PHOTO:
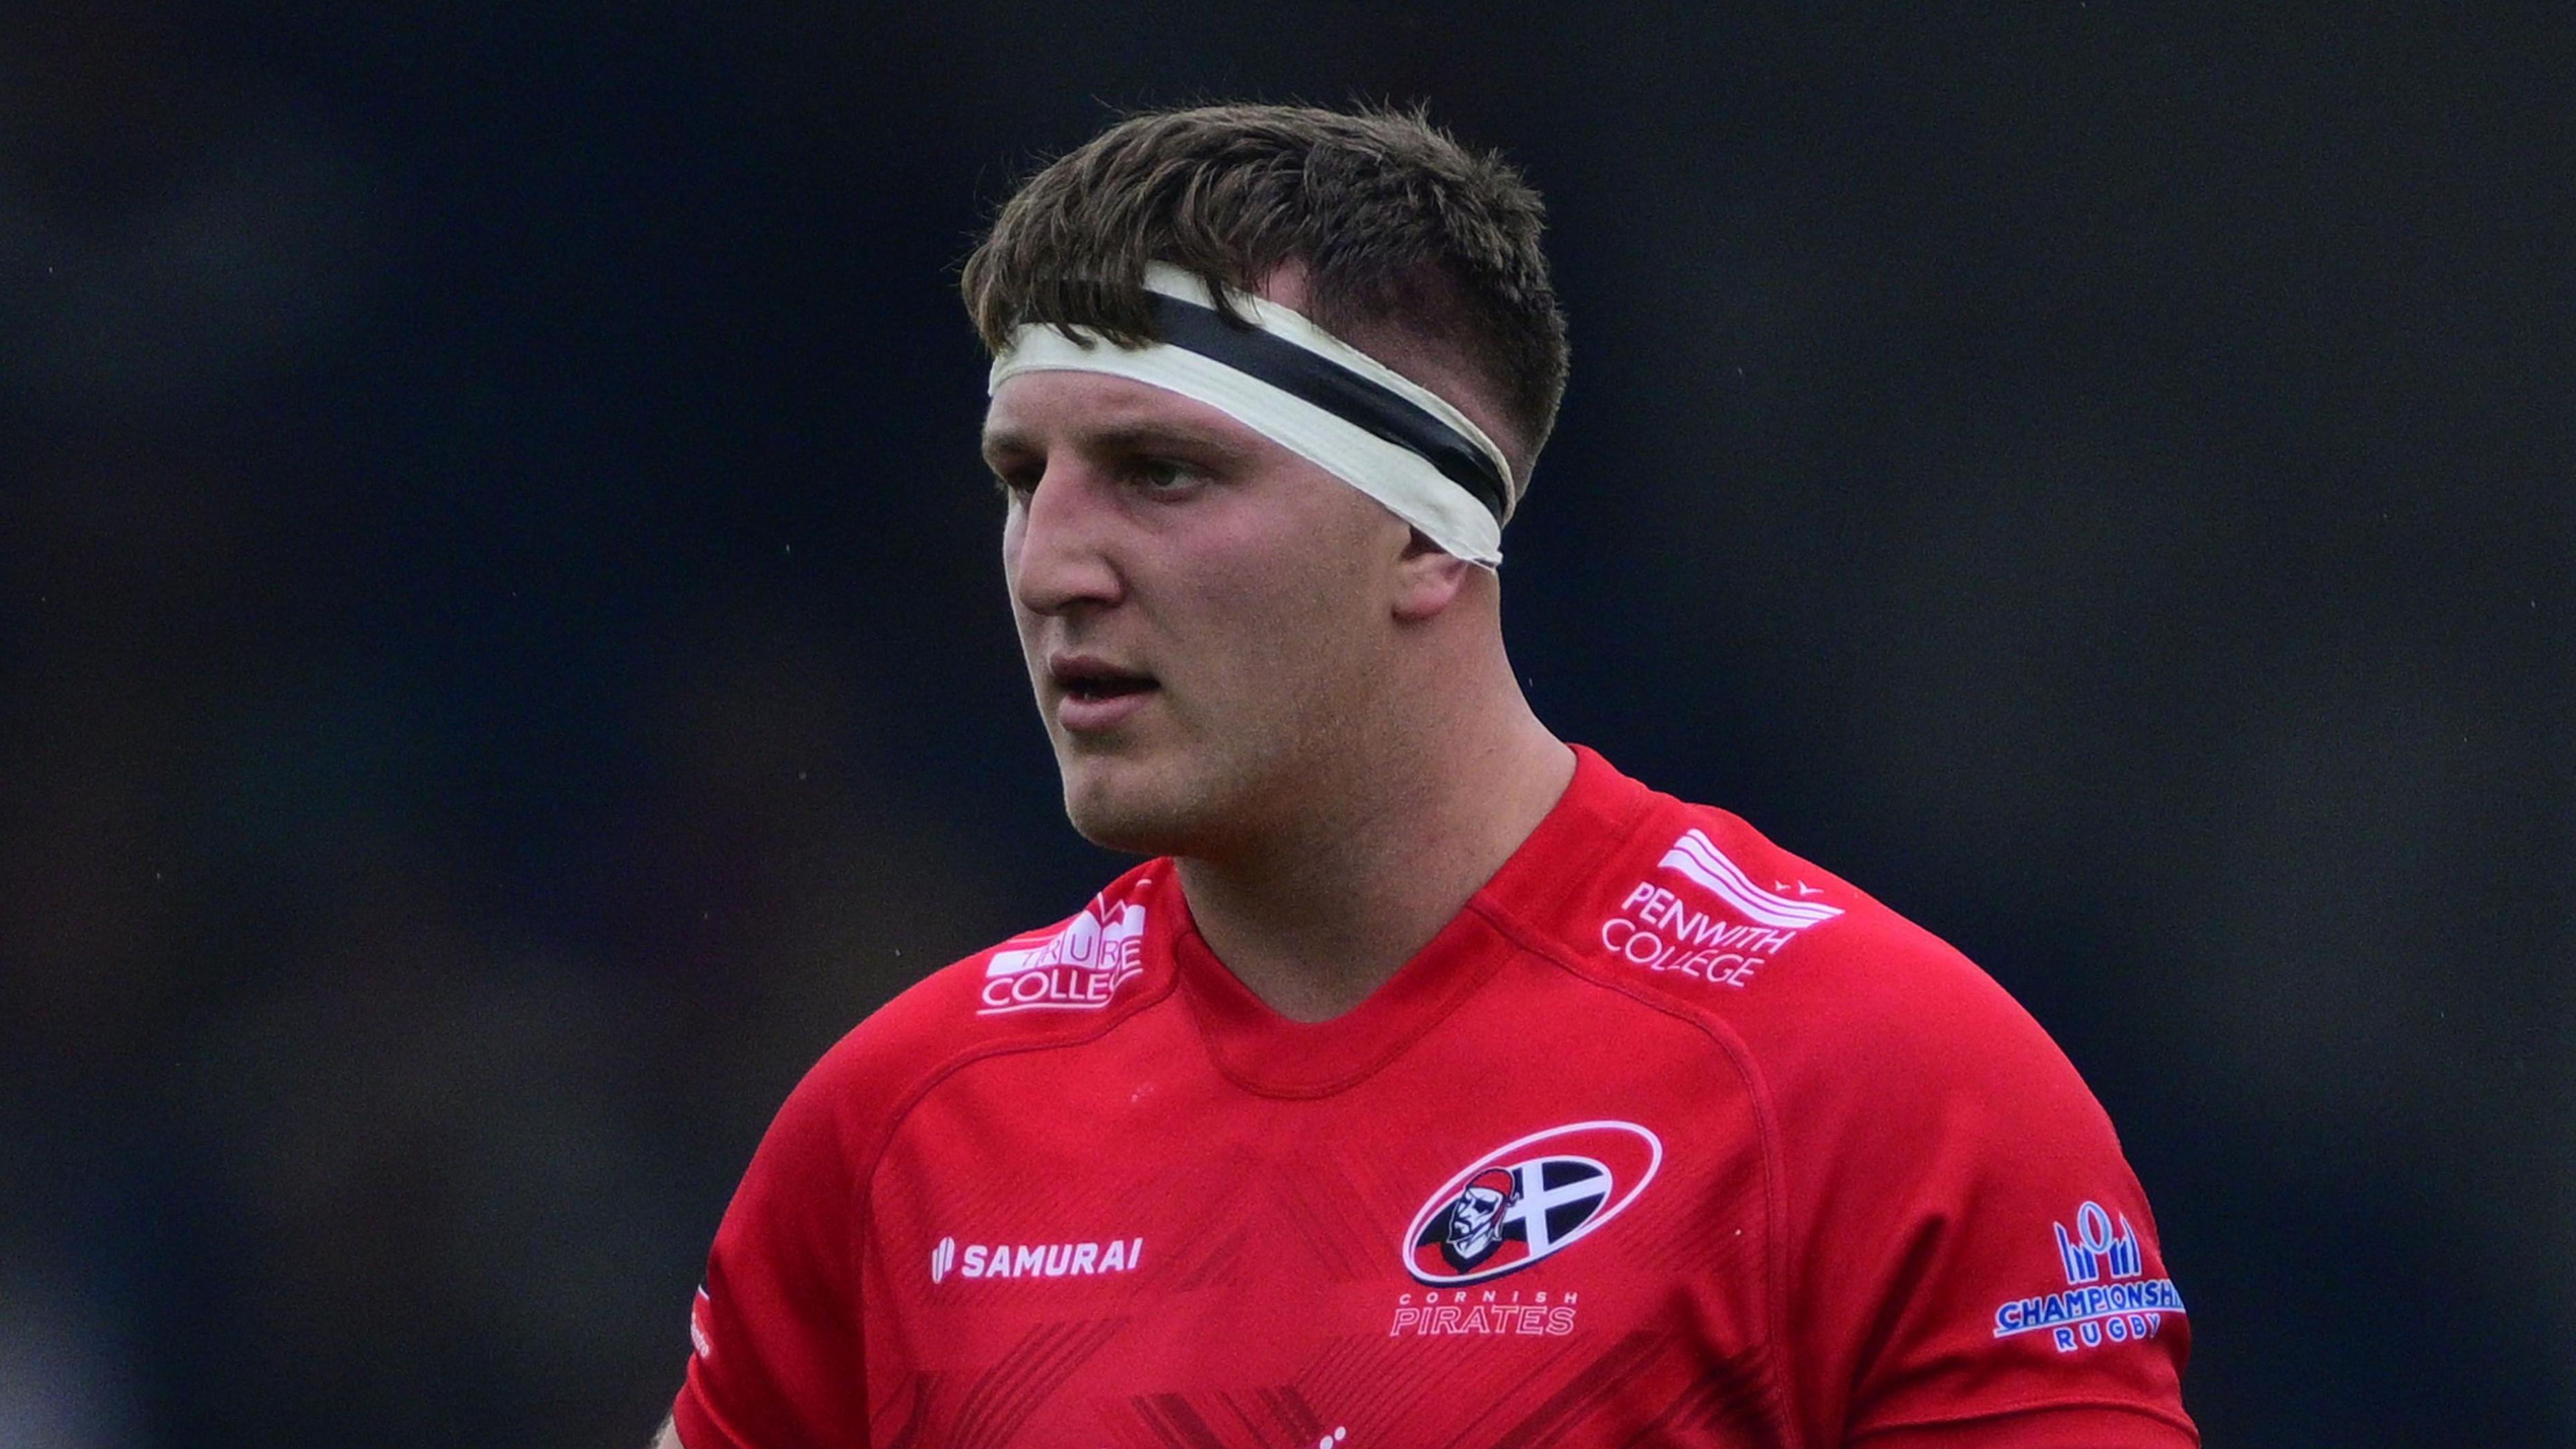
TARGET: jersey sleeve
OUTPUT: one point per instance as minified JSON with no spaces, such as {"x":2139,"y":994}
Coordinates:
{"x":1974,"y":1261}
{"x":775,"y":1328}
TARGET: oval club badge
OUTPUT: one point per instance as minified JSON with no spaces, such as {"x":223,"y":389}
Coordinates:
{"x":1529,"y":1199}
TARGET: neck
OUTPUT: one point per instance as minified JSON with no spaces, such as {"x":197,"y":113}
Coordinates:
{"x":1314,"y":924}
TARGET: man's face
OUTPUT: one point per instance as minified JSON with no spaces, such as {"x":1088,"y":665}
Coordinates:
{"x":1472,"y":1222}
{"x":1203,"y":612}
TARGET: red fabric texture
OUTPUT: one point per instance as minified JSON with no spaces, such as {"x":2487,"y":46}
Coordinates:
{"x":1668,"y":1137}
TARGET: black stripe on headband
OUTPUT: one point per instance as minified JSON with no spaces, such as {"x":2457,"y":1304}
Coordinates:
{"x":1336,"y":389}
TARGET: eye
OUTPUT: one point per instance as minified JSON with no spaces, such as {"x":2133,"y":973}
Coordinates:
{"x":1165,"y":475}
{"x":1015,"y":483}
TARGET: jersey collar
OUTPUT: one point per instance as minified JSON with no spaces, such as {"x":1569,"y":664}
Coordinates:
{"x":1271,"y":1054}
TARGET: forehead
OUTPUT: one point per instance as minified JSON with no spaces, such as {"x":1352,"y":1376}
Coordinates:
{"x":1042,"y":411}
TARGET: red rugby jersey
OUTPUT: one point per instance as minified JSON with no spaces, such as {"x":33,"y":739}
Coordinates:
{"x":1668,"y":1138}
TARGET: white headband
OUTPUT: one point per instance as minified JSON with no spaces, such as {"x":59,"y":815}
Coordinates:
{"x":1310,"y":392}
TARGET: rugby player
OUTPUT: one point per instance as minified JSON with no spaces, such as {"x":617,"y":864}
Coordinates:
{"x":1431,"y":1082}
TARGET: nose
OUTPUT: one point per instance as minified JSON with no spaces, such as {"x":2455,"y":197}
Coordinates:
{"x":1058,"y":547}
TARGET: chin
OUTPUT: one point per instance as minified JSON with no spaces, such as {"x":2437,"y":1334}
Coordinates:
{"x":1125,"y":809}
{"x":1133,"y":827}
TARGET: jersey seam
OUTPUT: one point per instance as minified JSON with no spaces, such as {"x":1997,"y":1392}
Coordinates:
{"x":1889,"y":1233}
{"x":969,"y":1056}
{"x":2034,"y":1406}
{"x":725,"y":1431}
{"x":1738,"y":1057}
{"x":863,"y":1223}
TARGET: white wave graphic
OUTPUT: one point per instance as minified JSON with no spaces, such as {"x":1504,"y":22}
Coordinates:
{"x":1700,"y":862}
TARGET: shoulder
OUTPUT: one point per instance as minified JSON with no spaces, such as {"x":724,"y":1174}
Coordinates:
{"x":1935,"y":1148}
{"x":1860,"y":1016}
{"x":1057,"y":986}
{"x":1791,"y":957}
{"x":1845,"y":1011}
{"x":774,"y":1322}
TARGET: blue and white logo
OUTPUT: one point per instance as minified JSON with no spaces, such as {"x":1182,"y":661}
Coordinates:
{"x":2094,"y":1252}
{"x":2108,"y":1296}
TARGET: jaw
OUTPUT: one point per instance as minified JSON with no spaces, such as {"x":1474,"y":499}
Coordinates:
{"x":1130,"y":803}
{"x":1125,"y":788}
{"x":1159,"y":787}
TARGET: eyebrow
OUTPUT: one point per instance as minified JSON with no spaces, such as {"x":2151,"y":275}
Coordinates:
{"x":1139,"y":437}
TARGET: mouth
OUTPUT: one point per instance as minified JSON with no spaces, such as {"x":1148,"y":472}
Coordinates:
{"x":1085,"y":678}
{"x":1096,"y":693}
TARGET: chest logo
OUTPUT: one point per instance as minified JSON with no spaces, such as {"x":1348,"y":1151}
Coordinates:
{"x":1529,"y":1199}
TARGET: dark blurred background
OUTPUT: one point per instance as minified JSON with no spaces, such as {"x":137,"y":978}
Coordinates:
{"x":502,"y":657}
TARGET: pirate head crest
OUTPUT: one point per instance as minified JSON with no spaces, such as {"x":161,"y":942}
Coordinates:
{"x":1527,"y":1200}
{"x":1476,"y":1220}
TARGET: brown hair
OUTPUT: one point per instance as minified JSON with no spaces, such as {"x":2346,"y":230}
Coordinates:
{"x":1395,"y":224}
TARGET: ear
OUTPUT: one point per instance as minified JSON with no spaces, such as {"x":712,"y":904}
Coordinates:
{"x":1427,"y":580}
